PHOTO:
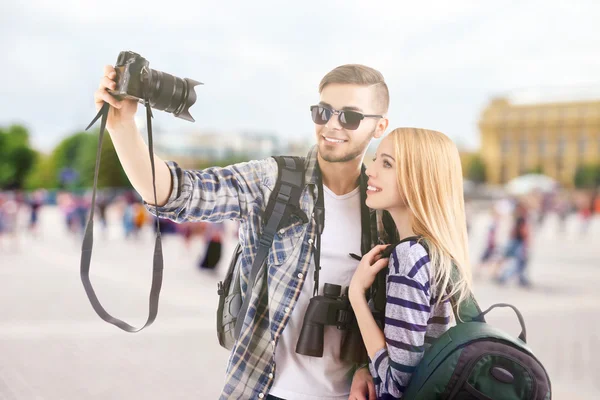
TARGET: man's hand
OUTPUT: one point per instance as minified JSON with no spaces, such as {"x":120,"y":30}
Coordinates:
{"x":121,"y":110}
{"x":362,"y":386}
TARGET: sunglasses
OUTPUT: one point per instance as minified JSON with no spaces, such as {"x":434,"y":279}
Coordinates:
{"x":349,"y":120}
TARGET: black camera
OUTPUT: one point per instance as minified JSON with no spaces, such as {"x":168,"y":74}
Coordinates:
{"x":331,"y":309}
{"x":165,"y":92}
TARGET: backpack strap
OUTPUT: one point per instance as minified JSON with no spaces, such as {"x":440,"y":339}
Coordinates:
{"x":283,"y":202}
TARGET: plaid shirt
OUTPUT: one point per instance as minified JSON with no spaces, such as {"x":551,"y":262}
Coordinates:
{"x":241,"y":192}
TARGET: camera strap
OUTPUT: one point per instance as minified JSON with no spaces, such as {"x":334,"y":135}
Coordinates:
{"x":88,"y":240}
{"x":320,"y":221}
{"x":365,"y":221}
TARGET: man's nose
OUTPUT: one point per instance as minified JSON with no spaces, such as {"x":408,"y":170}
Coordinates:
{"x":334,"y":122}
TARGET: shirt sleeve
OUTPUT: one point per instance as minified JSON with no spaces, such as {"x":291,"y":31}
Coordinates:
{"x":217,"y":194}
{"x":407,"y":313}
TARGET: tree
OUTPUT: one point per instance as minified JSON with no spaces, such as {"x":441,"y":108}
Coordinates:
{"x":72,"y":162}
{"x":476,"y":170}
{"x":587,"y":176}
{"x":42,"y":174}
{"x":16,"y":157}
{"x":111,"y":173}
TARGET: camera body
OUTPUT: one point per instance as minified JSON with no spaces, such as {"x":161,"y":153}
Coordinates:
{"x":331,"y":309}
{"x":130,"y":69}
{"x":137,"y":81}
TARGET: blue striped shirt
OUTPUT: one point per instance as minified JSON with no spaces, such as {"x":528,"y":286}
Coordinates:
{"x":412,"y":321}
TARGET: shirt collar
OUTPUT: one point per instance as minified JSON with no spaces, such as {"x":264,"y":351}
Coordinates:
{"x":311,"y":173}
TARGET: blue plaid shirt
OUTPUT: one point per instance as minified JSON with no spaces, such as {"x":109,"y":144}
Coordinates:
{"x":241,"y":192}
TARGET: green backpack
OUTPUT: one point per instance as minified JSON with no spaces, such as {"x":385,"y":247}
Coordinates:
{"x":474,"y":360}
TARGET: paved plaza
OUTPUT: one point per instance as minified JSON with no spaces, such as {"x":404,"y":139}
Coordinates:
{"x":53,"y":346}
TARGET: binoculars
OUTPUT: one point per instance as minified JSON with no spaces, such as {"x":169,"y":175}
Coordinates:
{"x":331,"y":309}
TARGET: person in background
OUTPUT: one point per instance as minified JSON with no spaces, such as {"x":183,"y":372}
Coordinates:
{"x":517,"y":248}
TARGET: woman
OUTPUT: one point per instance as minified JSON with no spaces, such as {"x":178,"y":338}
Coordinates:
{"x":416,"y":176}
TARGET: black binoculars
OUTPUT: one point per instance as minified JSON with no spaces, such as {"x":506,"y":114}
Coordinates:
{"x":331,"y":309}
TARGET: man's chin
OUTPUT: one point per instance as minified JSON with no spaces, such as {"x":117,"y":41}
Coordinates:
{"x":335,"y":158}
{"x":334,"y":155}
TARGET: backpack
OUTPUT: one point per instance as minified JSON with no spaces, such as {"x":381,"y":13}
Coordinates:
{"x":474,"y":360}
{"x":283,"y":202}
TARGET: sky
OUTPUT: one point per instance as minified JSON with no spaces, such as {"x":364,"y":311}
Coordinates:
{"x":261,"y":61}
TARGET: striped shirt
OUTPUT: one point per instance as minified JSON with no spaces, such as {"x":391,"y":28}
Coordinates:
{"x":241,"y":192}
{"x":412,"y":321}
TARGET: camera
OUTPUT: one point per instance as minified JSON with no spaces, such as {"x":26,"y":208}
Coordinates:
{"x":331,"y":309}
{"x":136,"y":81}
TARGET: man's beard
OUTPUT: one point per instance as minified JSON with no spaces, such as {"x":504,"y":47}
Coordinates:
{"x":354,"y":153}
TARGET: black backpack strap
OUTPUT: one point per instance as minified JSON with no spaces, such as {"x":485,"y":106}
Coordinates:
{"x":283,"y":202}
{"x":378,"y":289}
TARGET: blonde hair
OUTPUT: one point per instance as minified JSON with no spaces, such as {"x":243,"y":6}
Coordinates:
{"x":357,"y":74}
{"x":431,"y":183}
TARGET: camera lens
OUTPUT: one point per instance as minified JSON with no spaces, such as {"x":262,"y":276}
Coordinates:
{"x":172,"y":94}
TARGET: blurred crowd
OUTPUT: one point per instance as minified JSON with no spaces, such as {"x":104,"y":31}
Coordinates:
{"x":20,"y":213}
{"x":507,"y":252}
{"x":511,"y":223}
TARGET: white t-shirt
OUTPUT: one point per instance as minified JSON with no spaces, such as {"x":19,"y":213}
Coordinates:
{"x":300,"y":377}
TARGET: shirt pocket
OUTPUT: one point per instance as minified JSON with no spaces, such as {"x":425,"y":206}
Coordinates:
{"x":287,"y":240}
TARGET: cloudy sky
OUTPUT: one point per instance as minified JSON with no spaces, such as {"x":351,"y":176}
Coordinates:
{"x":261,"y":61}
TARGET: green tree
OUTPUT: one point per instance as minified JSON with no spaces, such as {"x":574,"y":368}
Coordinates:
{"x":16,"y":156}
{"x":476,"y":170}
{"x":43,"y":174}
{"x":111,"y":173}
{"x":587,"y":176}
{"x":76,"y":156}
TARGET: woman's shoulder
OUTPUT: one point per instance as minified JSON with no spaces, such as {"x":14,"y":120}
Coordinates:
{"x":410,"y":258}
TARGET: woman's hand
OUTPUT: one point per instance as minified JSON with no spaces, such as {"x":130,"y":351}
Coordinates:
{"x":368,"y":268}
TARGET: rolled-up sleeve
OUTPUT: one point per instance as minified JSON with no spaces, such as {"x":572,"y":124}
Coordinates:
{"x":216,"y":194}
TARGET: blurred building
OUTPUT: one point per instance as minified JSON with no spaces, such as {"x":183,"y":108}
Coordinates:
{"x":550,"y":138}
{"x":190,"y":148}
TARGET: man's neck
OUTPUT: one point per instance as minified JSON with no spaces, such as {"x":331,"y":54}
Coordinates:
{"x":340,"y":177}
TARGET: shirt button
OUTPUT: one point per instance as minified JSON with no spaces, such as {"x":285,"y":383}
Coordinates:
{"x":281,"y":231}
{"x":287,"y":310}
{"x":260,"y":396}
{"x":300,"y":276}
{"x":310,"y":241}
{"x":270,"y":376}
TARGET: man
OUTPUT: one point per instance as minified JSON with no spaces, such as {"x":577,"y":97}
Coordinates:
{"x":263,"y":364}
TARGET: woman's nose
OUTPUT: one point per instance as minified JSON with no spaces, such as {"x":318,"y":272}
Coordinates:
{"x":369,"y":171}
